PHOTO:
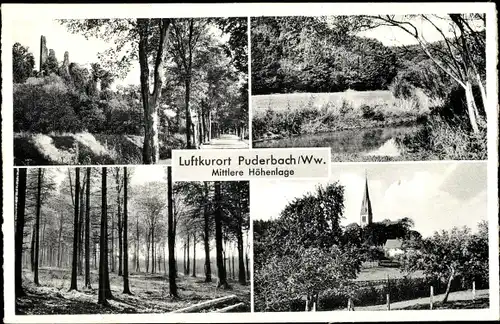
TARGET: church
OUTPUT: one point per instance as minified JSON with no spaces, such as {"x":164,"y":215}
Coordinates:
{"x":392,"y":247}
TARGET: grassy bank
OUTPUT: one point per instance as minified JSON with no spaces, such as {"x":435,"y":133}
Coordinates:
{"x":84,"y":148}
{"x":299,"y":114}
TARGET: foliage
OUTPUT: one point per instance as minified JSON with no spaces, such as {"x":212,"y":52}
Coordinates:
{"x":450,"y":254}
{"x":285,"y":279}
{"x":23,"y":63}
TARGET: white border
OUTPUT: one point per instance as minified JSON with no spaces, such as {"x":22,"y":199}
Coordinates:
{"x":34,"y":11}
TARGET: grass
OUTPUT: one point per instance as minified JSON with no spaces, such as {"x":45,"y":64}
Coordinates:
{"x":150,"y":294}
{"x":381,"y":273}
{"x":299,"y":114}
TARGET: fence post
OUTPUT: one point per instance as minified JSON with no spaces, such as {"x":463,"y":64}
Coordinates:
{"x":474,"y":290}
{"x":314,"y":307}
{"x":388,"y":302}
{"x":349,"y":304}
{"x":432,"y":297}
{"x":307,"y":305}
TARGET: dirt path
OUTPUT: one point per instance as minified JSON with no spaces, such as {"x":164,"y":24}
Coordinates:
{"x":454,"y":296}
{"x":225,"y":141}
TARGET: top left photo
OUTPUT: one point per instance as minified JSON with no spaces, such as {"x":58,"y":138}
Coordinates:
{"x":127,"y":91}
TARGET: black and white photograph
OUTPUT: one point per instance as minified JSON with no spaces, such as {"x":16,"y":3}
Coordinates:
{"x":127,"y":91}
{"x":374,"y":237}
{"x":122,"y":240}
{"x":371,"y":87}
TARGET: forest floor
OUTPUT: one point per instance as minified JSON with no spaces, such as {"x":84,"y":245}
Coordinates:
{"x":456,"y":300}
{"x":150,"y":294}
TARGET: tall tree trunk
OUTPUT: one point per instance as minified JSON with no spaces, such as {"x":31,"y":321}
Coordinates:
{"x":241,"y":263}
{"x":75,"y":232}
{"x":120,"y":240}
{"x":87,"y":232}
{"x":221,"y":271}
{"x":187,"y":85}
{"x":150,"y":153}
{"x":59,"y":240}
{"x":126,"y":288}
{"x":206,"y":235}
{"x":81,"y":232}
{"x":137,"y":265}
{"x":153,"y":249}
{"x":19,"y":236}
{"x":171,"y":238}
{"x":188,"y":268}
{"x":32,"y":247}
{"x":103,"y":258}
{"x":194,"y":254}
{"x":113,"y":242}
{"x":248,"y":268}
{"x":448,"y":286}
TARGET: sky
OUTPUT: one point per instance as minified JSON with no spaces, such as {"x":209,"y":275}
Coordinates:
{"x":435,"y":195}
{"x":81,"y":50}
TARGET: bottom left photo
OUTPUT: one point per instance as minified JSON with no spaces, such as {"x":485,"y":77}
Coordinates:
{"x":111,"y":240}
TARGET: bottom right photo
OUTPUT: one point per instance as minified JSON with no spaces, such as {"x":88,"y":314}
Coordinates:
{"x":375,"y":236}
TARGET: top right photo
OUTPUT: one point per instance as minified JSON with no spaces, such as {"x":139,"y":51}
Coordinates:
{"x":373,"y":88}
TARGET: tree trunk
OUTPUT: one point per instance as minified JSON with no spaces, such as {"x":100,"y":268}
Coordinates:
{"x":75,"y":232}
{"x":120,"y":240}
{"x":152,"y":249}
{"x":81,"y":232}
{"x":59,"y":240}
{"x":126,"y":288}
{"x":137,"y":265}
{"x":188,"y":268}
{"x":194,"y":255}
{"x":150,"y":152}
{"x":248,"y":269}
{"x":103,"y":258}
{"x":206,"y":236}
{"x":470,"y":108}
{"x":187,"y":84}
{"x":221,"y":271}
{"x":87,"y":232}
{"x":171,"y":238}
{"x":19,"y":236}
{"x":241,"y":263}
{"x":32,"y":247}
{"x":448,"y":286}
{"x":112,"y":242}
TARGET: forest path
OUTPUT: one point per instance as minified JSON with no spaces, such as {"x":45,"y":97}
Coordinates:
{"x":454,"y":296}
{"x":225,"y":141}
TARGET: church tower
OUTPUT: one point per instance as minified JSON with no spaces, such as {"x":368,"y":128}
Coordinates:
{"x":366,"y":215}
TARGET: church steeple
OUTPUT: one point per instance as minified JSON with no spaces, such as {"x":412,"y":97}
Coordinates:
{"x":366,"y":215}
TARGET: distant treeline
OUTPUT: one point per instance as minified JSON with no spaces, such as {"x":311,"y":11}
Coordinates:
{"x":308,"y":54}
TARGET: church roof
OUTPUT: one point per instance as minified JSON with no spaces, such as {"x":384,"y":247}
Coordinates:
{"x":366,"y":205}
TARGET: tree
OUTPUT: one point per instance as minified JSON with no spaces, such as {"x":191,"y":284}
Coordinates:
{"x":457,"y":58}
{"x":171,"y":238}
{"x":23,"y":63}
{"x":19,"y":238}
{"x":126,"y":288}
{"x":186,"y":37}
{"x":447,"y":255}
{"x":221,"y":270}
{"x":37,"y":224}
{"x":75,"y":232}
{"x":104,"y":289}
{"x":310,"y":272}
{"x":142,"y":39}
{"x":87,"y":231}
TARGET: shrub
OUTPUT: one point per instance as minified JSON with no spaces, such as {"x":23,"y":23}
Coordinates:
{"x":401,"y":88}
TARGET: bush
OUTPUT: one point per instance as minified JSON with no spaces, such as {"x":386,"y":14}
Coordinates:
{"x":44,"y":105}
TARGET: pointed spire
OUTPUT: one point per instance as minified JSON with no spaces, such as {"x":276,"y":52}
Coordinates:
{"x":366,"y":215}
